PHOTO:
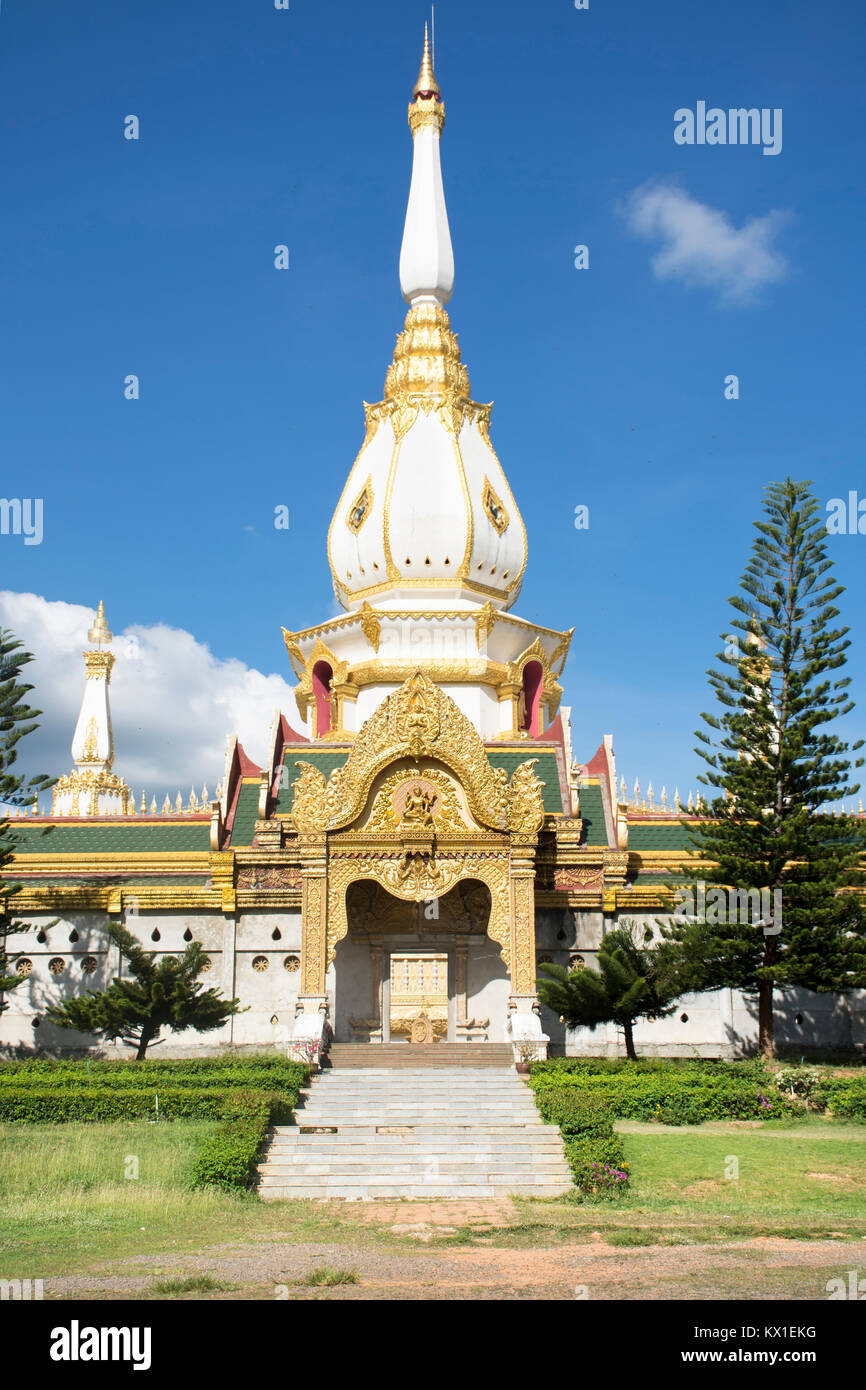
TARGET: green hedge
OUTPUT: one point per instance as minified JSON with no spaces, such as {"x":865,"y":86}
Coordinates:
{"x":228,"y":1158}
{"x":249,"y":1078}
{"x":665,"y":1066}
{"x":676,"y":1096}
{"x":203,"y":1067}
{"x":595,"y":1153}
{"x":35,"y":1105}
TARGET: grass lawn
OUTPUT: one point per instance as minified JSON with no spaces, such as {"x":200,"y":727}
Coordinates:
{"x":68,"y":1208}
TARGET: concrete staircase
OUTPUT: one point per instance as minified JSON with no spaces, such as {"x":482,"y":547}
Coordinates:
{"x":367,"y":1055}
{"x":415,"y":1131}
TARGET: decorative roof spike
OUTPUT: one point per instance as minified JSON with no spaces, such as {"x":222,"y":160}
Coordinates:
{"x":664,"y":798}
{"x":426,"y":257}
{"x":153,"y":806}
{"x":636,"y":791}
{"x":193,"y":800}
{"x":143,"y":807}
{"x":622,"y":790}
{"x":166,"y":806}
{"x":99,"y":633}
{"x":178,"y":803}
{"x":219,"y":790}
{"x":677,"y":802}
{"x":649,"y":794}
{"x":426,"y":84}
{"x":691,"y":802}
{"x":861,"y":805}
{"x":204,"y":798}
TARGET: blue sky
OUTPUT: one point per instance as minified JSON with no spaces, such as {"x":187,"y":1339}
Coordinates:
{"x":261,"y":127}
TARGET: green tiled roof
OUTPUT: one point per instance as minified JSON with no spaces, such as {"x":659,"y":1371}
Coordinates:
{"x":643,"y":835}
{"x":69,"y":878}
{"x":246,"y":815}
{"x":592,"y":815}
{"x":545,"y":769}
{"x":132,"y":837}
{"x":323,"y":759}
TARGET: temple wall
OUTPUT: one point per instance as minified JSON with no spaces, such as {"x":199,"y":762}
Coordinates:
{"x":248,"y":962}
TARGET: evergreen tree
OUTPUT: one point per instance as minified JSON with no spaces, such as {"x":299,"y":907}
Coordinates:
{"x":160,"y":994}
{"x":775,"y":768}
{"x":17,"y":720}
{"x":628,"y":985}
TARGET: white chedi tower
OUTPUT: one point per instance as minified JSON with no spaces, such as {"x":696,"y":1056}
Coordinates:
{"x":92,"y":789}
{"x":427,"y":518}
{"x":427,"y":547}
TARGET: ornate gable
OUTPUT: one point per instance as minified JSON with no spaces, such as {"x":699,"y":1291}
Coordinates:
{"x":418,"y":721}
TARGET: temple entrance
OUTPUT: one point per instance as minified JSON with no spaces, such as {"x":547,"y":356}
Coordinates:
{"x":418,"y":1004}
{"x":421,"y":972}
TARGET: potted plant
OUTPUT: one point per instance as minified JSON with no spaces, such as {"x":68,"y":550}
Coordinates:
{"x":525,"y":1057}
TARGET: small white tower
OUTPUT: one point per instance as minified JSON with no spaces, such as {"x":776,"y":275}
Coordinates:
{"x":92,"y":789}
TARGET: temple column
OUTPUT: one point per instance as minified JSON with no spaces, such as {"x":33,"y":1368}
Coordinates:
{"x":376,"y":952}
{"x":523,"y":1007}
{"x":311,"y":1021}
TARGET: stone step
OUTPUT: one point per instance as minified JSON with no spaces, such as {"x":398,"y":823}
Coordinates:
{"x":410,"y":1191}
{"x":370,"y":1148}
{"x":416,"y":1164}
{"x":420,"y":1132}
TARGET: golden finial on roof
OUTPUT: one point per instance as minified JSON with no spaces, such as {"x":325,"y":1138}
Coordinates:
{"x":426,"y":84}
{"x":99,"y":633}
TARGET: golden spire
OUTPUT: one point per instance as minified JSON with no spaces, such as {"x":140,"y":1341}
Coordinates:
{"x":426,"y":84}
{"x":99,"y":633}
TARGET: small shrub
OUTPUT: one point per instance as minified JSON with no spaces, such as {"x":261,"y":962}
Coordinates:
{"x":194,"y":1283}
{"x":843,"y":1098}
{"x":327,"y":1277}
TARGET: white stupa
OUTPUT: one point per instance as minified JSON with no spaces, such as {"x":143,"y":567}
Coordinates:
{"x":427,"y":547}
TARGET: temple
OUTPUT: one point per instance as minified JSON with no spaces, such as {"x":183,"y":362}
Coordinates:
{"x":396,"y":871}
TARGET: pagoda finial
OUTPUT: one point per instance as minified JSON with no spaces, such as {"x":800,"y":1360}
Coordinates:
{"x":426,"y":85}
{"x":426,"y":257}
{"x":99,"y":633}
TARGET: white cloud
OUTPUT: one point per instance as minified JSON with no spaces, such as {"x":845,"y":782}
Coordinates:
{"x":701,"y":246}
{"x":172,"y":701}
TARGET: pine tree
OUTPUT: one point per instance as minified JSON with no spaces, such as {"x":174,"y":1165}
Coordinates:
{"x":160,"y":994}
{"x":775,"y":768}
{"x":17,"y":720}
{"x":628,"y":985}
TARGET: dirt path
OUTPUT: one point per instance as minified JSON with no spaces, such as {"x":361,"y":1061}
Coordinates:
{"x":766,"y":1268}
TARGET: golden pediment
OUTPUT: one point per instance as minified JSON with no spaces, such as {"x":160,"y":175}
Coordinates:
{"x":418,"y":721}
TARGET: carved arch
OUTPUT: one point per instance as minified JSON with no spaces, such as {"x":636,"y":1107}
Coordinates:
{"x":433,"y":882}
